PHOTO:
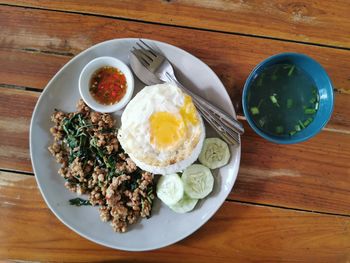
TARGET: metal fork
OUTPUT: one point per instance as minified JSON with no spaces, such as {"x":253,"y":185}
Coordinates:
{"x":156,"y":63}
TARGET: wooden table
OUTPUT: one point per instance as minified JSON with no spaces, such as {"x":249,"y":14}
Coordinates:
{"x":290,"y":203}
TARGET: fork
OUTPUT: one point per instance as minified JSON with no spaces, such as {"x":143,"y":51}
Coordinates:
{"x":156,"y":63}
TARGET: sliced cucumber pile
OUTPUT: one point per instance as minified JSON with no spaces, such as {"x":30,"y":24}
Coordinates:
{"x":215,"y":153}
{"x":198,"y":181}
{"x":182,"y":194}
{"x":170,"y":189}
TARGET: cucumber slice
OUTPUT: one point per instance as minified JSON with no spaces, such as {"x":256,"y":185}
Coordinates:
{"x":215,"y":153}
{"x":186,"y":204}
{"x":170,"y":189}
{"x":198,"y":181}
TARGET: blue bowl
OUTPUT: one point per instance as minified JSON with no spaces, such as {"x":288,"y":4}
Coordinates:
{"x":323,"y":84}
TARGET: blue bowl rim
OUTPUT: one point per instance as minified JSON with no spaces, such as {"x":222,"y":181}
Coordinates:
{"x":290,"y":140}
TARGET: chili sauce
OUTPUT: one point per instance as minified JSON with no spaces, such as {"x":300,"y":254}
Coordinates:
{"x":108,"y":85}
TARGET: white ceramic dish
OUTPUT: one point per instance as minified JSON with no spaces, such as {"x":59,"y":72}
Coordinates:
{"x":164,"y":227}
{"x":90,"y":69}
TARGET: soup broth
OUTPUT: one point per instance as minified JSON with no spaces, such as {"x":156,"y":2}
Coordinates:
{"x":283,"y":100}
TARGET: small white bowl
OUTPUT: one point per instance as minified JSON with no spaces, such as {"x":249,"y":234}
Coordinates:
{"x":85,"y":78}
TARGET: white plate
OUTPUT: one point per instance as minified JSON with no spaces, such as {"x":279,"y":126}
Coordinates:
{"x":164,"y":227}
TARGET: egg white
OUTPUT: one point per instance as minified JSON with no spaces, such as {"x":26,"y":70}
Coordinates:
{"x":134,"y":133}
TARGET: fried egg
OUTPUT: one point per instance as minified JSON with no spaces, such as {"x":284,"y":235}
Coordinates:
{"x":161,"y":130}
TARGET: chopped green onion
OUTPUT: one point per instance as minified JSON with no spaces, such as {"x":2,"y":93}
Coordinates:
{"x":254,"y":110}
{"x":301,"y":124}
{"x":289,"y":103}
{"x":297,"y":127}
{"x":313,"y":100}
{"x":274,"y":100}
{"x":309,"y":111}
{"x":307,"y":122}
{"x":291,"y":71}
{"x":279,"y":129}
{"x":291,"y":133}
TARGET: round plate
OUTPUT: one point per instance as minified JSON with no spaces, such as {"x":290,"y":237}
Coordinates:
{"x":165,"y":227}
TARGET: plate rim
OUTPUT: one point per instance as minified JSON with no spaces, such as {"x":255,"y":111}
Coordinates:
{"x":35,"y":112}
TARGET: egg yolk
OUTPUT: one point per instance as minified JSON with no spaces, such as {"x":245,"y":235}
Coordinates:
{"x":188,"y":111}
{"x":167,"y":130}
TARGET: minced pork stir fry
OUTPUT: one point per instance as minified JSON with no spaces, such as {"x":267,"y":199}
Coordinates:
{"x":92,"y":162}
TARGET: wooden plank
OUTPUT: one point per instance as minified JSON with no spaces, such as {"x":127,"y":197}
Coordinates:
{"x":237,"y":233}
{"x":302,"y":176}
{"x":313,"y":21}
{"x":340,"y":120}
{"x":232,"y":57}
{"x":312,"y":175}
{"x":29,"y":69}
{"x":232,"y":63}
{"x":16,"y":109}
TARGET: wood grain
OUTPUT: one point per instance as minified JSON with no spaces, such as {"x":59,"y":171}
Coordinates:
{"x":312,"y":175}
{"x":256,"y":234}
{"x":232,"y":57}
{"x":28,"y":68}
{"x":323,"y":22}
{"x":300,"y":176}
{"x":48,"y":50}
{"x":16,"y":107}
